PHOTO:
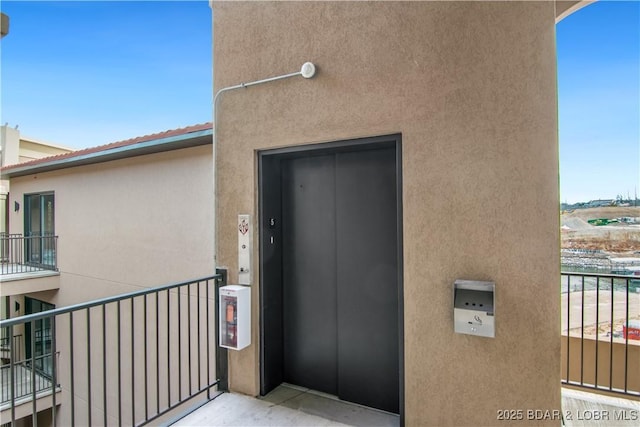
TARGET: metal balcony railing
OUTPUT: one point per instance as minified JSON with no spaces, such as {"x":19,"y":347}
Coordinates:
{"x":127,"y":360}
{"x":26,"y":380}
{"x":24,"y":254}
{"x":601,"y":332}
{"x":5,"y":345}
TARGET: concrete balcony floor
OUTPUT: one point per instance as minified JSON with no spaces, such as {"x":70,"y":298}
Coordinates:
{"x":595,"y":410}
{"x":294,"y":406}
{"x":287,"y":405}
{"x":18,"y":281}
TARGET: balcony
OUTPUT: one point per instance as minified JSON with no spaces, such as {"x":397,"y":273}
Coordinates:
{"x":28,"y":263}
{"x":130,"y":359}
{"x":601,"y":333}
{"x":25,"y":383}
{"x":152,"y":357}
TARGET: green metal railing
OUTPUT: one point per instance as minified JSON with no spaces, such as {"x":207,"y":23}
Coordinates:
{"x":601,"y":346}
{"x":128,"y":359}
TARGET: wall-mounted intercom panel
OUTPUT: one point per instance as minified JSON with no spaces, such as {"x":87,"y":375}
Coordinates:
{"x":474,"y":307}
{"x":235,"y":317}
{"x":244,"y":249}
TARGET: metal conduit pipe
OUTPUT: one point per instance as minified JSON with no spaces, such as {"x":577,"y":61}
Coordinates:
{"x":308,"y":70}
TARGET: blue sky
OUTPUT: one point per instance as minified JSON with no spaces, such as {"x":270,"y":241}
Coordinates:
{"x":86,"y":73}
{"x":599,"y":101}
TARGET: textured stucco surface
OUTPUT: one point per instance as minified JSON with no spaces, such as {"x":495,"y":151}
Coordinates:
{"x":124,"y":225}
{"x":472,"y":89}
{"x":127,"y":224}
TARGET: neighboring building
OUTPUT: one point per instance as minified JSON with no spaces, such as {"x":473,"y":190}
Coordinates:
{"x":396,"y":170}
{"x":125,"y":216}
{"x":16,"y":148}
{"x":600,"y":203}
{"x":4,"y":25}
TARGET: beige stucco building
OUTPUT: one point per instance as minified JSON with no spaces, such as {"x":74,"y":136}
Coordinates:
{"x":16,"y":148}
{"x":4,"y":24}
{"x":127,"y":216}
{"x":121,"y":202}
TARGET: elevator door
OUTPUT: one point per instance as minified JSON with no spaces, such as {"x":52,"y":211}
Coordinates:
{"x":339,"y":275}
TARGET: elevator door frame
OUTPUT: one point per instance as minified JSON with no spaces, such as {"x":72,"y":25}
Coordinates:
{"x":267,"y":161}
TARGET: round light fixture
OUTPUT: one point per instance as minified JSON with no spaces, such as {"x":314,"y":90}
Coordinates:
{"x":308,"y":70}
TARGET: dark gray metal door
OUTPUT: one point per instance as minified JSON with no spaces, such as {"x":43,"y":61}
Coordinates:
{"x":309,"y":272}
{"x":367,"y":283}
{"x":330,"y":297}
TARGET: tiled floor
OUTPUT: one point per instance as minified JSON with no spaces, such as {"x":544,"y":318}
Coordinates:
{"x":290,"y":405}
{"x":330,"y":407}
{"x":230,"y":409}
{"x":286,"y":406}
{"x":582,"y":409}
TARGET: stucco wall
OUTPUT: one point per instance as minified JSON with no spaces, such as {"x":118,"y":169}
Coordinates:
{"x":472,"y":89}
{"x":124,"y":225}
{"x":30,"y":150}
{"x":138,"y":222}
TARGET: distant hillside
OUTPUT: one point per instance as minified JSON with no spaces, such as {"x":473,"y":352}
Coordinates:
{"x":608,"y":212}
{"x":618,"y":239}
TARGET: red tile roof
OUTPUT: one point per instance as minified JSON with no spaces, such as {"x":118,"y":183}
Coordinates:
{"x":118,"y":144}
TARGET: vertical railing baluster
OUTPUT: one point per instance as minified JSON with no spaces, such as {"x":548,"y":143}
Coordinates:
{"x":568,"y":327}
{"x":179,"y":350}
{"x":582,"y":336}
{"x":611,"y":341}
{"x":189,"y":336}
{"x":597,"y":327}
{"x":133,"y":364}
{"x":54,"y":371}
{"x":71,"y":370}
{"x":221,"y":353}
{"x":119,"y":347}
{"x":104,"y":363}
{"x":207,"y":344}
{"x":168,"y":348}
{"x":32,"y":338}
{"x":146,"y":363}
{"x":157,"y":352}
{"x":88,"y":366}
{"x":12,"y":376}
{"x":198,"y":330}
{"x":626,"y":338}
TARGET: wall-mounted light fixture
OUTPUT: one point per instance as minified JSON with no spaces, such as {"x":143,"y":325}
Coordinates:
{"x":308,"y":70}
{"x":16,"y":206}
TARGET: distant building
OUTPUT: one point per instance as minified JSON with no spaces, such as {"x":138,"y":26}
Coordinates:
{"x":600,"y":203}
{"x":104,"y":221}
{"x":16,"y":148}
{"x":4,"y":25}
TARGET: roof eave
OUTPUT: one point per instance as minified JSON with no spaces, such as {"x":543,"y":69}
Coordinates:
{"x":192,"y":139}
